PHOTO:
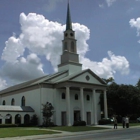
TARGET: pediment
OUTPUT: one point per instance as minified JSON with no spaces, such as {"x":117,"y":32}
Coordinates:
{"x":88,"y":77}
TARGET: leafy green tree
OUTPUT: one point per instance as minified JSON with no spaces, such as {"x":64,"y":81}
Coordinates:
{"x":122,"y":99}
{"x":34,"y":120}
{"x":109,"y":80}
{"x":47,"y":113}
{"x":138,"y":85}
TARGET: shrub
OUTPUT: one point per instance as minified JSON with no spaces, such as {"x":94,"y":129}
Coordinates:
{"x":79,"y":123}
{"x":8,"y":125}
{"x":34,"y":120}
{"x":25,"y":125}
{"x":47,"y":112}
{"x":104,"y":121}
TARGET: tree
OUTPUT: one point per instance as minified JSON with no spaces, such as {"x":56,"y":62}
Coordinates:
{"x":34,"y":120}
{"x":138,"y":85}
{"x":47,"y":113}
{"x":109,"y":80}
{"x":122,"y":99}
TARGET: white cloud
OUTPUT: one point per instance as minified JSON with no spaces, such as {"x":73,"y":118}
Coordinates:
{"x":13,"y":49}
{"x":3,"y":84}
{"x":23,"y":69}
{"x":108,"y":67}
{"x":110,"y":2}
{"x":42,"y":37}
{"x":136,"y":24}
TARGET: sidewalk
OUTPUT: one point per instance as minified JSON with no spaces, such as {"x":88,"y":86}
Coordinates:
{"x":63,"y":133}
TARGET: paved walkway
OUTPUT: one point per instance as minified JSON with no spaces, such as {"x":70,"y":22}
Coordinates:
{"x":63,"y":133}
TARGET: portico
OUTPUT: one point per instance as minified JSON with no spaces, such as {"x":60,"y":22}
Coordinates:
{"x":83,"y":99}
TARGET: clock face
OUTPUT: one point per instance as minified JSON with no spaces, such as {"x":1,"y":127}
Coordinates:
{"x":71,"y":34}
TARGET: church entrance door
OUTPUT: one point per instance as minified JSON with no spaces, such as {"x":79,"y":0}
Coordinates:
{"x":63,"y":118}
{"x":77,"y":115}
{"x":88,"y":118}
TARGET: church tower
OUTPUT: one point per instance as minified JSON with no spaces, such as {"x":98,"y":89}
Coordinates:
{"x":69,"y":57}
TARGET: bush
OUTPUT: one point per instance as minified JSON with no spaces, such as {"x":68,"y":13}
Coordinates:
{"x":26,"y":125}
{"x":8,"y":125}
{"x":104,"y":121}
{"x":79,"y":123}
{"x":34,"y":120}
{"x":134,"y":117}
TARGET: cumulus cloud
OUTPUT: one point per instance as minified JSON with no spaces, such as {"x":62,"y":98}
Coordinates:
{"x":3,"y":84}
{"x":42,"y":37}
{"x":136,"y":24}
{"x":23,"y":68}
{"x":109,"y":66}
{"x":13,"y":49}
{"x":110,"y":2}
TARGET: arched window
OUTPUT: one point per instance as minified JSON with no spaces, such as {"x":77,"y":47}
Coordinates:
{"x":13,"y":102}
{"x":18,"y":119}
{"x":72,"y":46}
{"x":8,"y":119}
{"x":3,"y":103}
{"x":65,"y":46}
{"x":88,"y":98}
{"x":23,"y":101}
{"x":63,"y":96}
{"x":27,"y":119}
{"x":76,"y":96}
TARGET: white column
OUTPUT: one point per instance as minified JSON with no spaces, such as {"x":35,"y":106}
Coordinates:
{"x":3,"y":120}
{"x":105,"y":105}
{"x":13,"y":119}
{"x":95,"y":106}
{"x":82,"y":104}
{"x":22,"y":119}
{"x":68,"y":106}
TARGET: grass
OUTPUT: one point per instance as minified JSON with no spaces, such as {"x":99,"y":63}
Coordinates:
{"x":76,"y":128}
{"x":28,"y":131}
{"x":16,"y":132}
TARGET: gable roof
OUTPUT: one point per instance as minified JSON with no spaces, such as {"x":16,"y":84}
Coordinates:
{"x":48,"y":79}
{"x":32,"y":82}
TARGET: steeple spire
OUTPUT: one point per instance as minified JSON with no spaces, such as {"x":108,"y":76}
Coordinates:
{"x":69,"y":58}
{"x":68,"y":20}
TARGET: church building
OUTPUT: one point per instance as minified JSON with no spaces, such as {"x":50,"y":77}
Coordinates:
{"x":73,"y":92}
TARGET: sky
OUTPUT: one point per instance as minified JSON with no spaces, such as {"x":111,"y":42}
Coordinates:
{"x":31,"y":34}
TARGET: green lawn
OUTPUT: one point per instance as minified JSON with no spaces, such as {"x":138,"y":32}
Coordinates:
{"x":76,"y":128}
{"x":15,"y":132}
{"x":22,"y":131}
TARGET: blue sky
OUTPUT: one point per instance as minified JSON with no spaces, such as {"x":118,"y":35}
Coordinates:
{"x":107,"y":33}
